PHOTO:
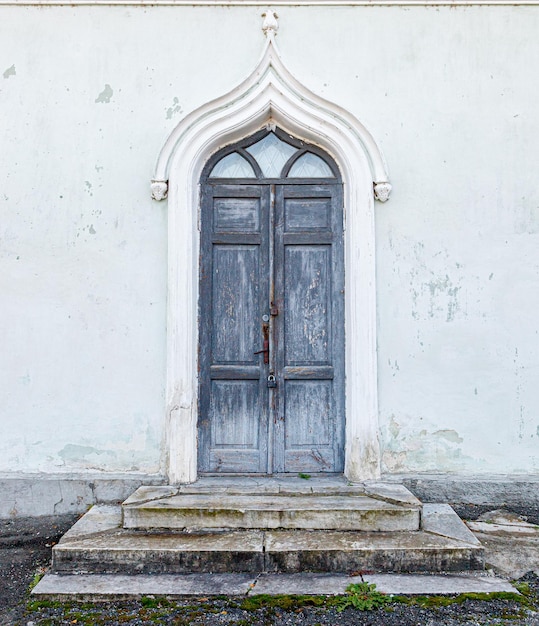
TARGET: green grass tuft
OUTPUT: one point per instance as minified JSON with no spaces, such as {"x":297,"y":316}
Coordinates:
{"x":362,"y":597}
{"x":429,"y":602}
{"x":37,"y":577}
{"x":285,"y":602}
{"x":523,"y":588}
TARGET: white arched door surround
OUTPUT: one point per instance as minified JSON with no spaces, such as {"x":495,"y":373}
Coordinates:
{"x":271,"y":97}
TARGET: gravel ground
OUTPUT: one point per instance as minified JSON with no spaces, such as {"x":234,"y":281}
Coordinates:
{"x":216,"y":612}
{"x":25,"y":549}
{"x":473,"y":511}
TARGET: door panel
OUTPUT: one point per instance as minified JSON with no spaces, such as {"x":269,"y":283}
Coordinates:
{"x":307,"y":413}
{"x":233,"y":404}
{"x":237,"y":215}
{"x":271,"y":257}
{"x":310,"y":329}
{"x":235,"y":295}
{"x":307,"y":313}
{"x":309,"y":425}
{"x":233,"y":395}
{"x":307,"y":214}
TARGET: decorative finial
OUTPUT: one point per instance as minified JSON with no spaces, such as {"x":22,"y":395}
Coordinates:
{"x":270,"y":26}
{"x":159,"y":189}
{"x":382,"y":191}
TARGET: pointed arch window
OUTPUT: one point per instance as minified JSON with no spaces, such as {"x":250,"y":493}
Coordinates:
{"x":233,"y":166}
{"x":272,"y":156}
{"x":271,"y":153}
{"x":310,"y":165}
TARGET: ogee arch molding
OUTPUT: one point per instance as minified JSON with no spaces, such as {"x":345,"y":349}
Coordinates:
{"x":271,"y":96}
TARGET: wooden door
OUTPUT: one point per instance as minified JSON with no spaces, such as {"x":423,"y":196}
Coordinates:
{"x":271,"y":394}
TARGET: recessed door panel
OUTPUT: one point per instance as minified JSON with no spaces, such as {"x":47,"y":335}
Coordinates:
{"x":236,"y":215}
{"x":308,"y":420}
{"x":307,"y":313}
{"x":307,"y":214}
{"x":235,"y":319}
{"x":233,"y":404}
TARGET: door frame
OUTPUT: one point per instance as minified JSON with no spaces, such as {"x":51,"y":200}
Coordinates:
{"x":271,"y":96}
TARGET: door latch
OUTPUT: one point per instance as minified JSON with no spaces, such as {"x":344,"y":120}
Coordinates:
{"x":265,"y":343}
{"x":265,"y":352}
{"x":272,"y":383}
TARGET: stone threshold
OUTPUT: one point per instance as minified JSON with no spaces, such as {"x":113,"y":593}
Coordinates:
{"x":272,"y":502}
{"x":103,"y":587}
{"x":332,"y":484}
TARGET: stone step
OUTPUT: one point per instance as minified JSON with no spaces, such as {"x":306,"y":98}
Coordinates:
{"x":318,"y":506}
{"x":98,"y":544}
{"x":394,"y":493}
{"x":108,"y":587}
{"x":197,"y":512}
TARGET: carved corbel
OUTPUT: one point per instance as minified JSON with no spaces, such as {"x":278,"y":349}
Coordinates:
{"x":382,"y":191}
{"x":159,"y":189}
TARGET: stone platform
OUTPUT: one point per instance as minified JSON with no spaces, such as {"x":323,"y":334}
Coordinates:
{"x":254,"y":526}
{"x":99,"y":544}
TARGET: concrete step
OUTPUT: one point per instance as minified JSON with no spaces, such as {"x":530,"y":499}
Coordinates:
{"x":98,"y":544}
{"x":323,"y":504}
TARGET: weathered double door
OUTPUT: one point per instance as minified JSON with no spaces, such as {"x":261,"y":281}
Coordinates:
{"x":271,"y":396}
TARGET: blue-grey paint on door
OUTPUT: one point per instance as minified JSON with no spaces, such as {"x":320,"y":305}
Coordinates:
{"x":271,"y":267}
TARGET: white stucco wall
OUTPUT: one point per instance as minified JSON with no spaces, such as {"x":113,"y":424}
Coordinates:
{"x":87,"y":98}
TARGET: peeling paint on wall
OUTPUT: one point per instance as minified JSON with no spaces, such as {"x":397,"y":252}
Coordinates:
{"x":25,"y":380}
{"x":406,"y":447}
{"x":438,"y":295}
{"x":76,"y":452}
{"x":450,"y":435}
{"x":132,"y":450}
{"x":105,"y":96}
{"x":526,"y":218}
{"x":10,"y":72}
{"x":174,"y":108}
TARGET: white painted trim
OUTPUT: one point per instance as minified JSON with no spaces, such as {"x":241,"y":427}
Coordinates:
{"x":271,"y":95}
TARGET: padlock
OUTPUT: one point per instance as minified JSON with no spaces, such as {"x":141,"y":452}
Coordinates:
{"x":272,"y":383}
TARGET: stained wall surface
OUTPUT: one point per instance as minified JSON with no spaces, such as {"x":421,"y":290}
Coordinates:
{"x":88,"y":96}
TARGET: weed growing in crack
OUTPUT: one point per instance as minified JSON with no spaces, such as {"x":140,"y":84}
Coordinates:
{"x":362,"y":597}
